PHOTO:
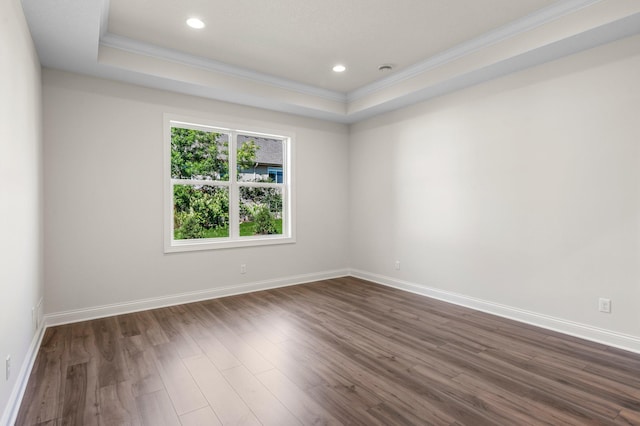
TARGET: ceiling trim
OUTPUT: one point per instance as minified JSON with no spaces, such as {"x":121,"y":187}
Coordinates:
{"x":147,"y":49}
{"x":620,"y":29}
{"x":529,"y":22}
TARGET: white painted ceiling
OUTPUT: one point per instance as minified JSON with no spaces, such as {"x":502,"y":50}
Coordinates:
{"x":278,"y":54}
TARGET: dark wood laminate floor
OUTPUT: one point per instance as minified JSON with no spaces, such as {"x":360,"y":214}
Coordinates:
{"x":340,"y":351}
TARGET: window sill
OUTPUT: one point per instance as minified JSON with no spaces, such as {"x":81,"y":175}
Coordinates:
{"x":225,"y":243}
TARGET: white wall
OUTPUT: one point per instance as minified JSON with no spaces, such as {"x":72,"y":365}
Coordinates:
{"x":523,"y":192}
{"x":103,"y":171}
{"x":20,"y":197}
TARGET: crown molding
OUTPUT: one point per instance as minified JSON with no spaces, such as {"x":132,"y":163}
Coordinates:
{"x":127,"y":44}
{"x":529,"y":22}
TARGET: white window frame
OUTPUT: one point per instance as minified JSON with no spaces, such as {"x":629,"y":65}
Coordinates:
{"x":234,"y":239}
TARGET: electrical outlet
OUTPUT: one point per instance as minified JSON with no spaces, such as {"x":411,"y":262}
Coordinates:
{"x":397,"y":265}
{"x":604,"y":305}
{"x":243,"y":268}
{"x":8,"y":367}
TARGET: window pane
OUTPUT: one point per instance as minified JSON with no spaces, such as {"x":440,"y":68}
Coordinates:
{"x":259,"y":159}
{"x":200,"y":212}
{"x":196,"y":154}
{"x":260,"y":211}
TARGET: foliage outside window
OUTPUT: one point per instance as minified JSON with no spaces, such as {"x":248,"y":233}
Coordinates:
{"x":222,"y":190}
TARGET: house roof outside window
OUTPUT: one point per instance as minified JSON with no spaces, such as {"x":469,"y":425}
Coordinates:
{"x":269,"y":152}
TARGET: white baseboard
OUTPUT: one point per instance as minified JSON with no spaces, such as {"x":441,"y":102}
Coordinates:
{"x":59,"y":318}
{"x":584,"y":331}
{"x":13,"y":405}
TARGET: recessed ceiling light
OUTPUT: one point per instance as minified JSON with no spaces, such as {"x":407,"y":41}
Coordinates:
{"x":339,"y":68}
{"x":195,"y":23}
{"x":385,"y":67}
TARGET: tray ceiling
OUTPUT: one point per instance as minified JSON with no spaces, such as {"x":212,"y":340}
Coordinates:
{"x":279,"y":54}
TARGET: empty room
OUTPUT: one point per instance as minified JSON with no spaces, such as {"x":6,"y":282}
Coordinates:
{"x":304,"y":212}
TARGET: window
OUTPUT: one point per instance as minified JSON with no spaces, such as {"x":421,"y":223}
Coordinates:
{"x":275,"y":174}
{"x":226,"y":187}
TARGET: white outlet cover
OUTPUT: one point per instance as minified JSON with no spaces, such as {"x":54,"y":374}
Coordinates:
{"x":604,"y":305}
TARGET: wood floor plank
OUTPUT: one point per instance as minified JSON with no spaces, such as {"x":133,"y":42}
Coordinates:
{"x":75,"y":395}
{"x":226,"y":403}
{"x":198,"y":330}
{"x":295,"y":400}
{"x":92,"y":408}
{"x":83,"y":349}
{"x":218,"y":353}
{"x":233,"y":313}
{"x":169,"y":320}
{"x":333,"y":400}
{"x":267,"y":408}
{"x":531,"y":411}
{"x":557,"y":380}
{"x":148,"y":326}
{"x":141,"y":366}
{"x":296,"y":366}
{"x":128,"y":325}
{"x":202,"y":417}
{"x":180,"y":385}
{"x":107,"y":353}
{"x":248,"y":356}
{"x":620,"y":376}
{"x":520,"y":382}
{"x":389,"y":415}
{"x":41,"y":406}
{"x":46,"y":384}
{"x":268,"y":350}
{"x":82,"y":343}
{"x":155,"y":409}
{"x":266,"y":327}
{"x":54,"y":422}
{"x":118,"y":405}
{"x":628,"y":417}
{"x":338,"y":351}
{"x":624,"y":395}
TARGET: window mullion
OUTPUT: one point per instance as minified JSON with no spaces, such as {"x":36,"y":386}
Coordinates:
{"x":285,"y":206}
{"x":195,"y":182}
{"x":234,"y":195}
